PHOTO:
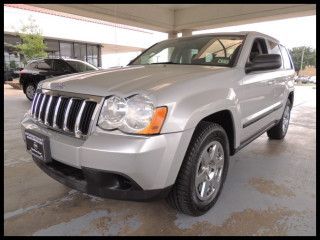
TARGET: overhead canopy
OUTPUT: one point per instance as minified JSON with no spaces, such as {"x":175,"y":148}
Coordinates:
{"x":172,"y":18}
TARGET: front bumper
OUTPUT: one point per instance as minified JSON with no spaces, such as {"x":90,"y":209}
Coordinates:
{"x":100,"y":183}
{"x":113,"y":164}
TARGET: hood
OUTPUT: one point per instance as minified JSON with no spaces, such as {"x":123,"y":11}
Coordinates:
{"x":126,"y":80}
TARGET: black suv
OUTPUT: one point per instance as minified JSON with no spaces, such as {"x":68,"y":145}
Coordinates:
{"x":41,"y":69}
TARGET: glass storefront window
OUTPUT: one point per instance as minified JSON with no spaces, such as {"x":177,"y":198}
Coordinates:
{"x":92,"y":54}
{"x":52,"y":48}
{"x":66,"y":50}
{"x":80,"y":51}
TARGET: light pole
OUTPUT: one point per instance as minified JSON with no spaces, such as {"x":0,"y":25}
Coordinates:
{"x":302,"y":58}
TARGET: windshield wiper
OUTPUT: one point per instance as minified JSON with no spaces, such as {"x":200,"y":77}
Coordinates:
{"x":165,"y":63}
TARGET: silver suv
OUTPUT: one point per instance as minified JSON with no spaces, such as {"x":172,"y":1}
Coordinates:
{"x":166,"y":124}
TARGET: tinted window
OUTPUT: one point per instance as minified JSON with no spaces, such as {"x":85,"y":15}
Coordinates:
{"x":61,"y":66}
{"x":45,"y":64}
{"x":286,"y":59}
{"x":31,"y":66}
{"x":80,"y":66}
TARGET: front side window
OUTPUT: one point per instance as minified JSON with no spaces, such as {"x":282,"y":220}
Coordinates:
{"x":202,"y":50}
{"x":258,"y":47}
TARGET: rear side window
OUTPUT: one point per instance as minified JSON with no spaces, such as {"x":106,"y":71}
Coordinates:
{"x":274,"y":49}
{"x":286,"y":59}
{"x":61,"y":66}
{"x":45,"y":64}
{"x":31,"y":66}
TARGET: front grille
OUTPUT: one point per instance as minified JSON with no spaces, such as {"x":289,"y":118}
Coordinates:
{"x":71,"y":115}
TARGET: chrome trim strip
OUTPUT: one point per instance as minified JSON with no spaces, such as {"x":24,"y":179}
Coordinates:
{"x":73,"y":95}
{"x":261,"y":114}
{"x":41,"y":107}
{"x":35,"y":110}
{"x":33,"y":102}
{"x":66,"y":115}
{"x":54,"y":122}
{"x":47,"y":111}
{"x":77,"y":131}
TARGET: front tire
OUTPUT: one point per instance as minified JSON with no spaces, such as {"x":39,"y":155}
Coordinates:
{"x":203,"y":171}
{"x":279,"y":131}
{"x":30,"y":90}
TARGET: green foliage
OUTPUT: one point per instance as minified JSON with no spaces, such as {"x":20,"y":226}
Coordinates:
{"x":13,"y":64}
{"x":309,"y":57}
{"x":32,"y":45}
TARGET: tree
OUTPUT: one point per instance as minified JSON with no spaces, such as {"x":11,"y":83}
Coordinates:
{"x":309,"y":57}
{"x":32,"y":45}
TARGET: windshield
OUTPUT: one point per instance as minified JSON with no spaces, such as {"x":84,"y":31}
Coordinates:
{"x":81,"y":66}
{"x":204,"y":50}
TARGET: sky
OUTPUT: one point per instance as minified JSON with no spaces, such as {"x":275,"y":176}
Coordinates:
{"x":291,"y":32}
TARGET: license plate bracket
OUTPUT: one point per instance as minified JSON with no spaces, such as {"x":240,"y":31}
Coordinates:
{"x":38,"y":145}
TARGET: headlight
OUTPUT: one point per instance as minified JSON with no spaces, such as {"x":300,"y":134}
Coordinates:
{"x":139,"y":114}
{"x":113,"y":112}
{"x":135,"y":114}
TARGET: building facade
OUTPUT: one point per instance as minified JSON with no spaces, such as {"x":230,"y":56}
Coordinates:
{"x":56,"y":48}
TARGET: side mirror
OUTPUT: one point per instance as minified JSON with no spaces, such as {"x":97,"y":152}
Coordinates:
{"x":264,"y":62}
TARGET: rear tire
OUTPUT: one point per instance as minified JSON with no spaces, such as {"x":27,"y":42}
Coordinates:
{"x":279,"y":131}
{"x":203,"y":171}
{"x":30,"y":90}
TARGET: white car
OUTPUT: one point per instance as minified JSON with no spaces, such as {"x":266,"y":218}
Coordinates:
{"x":312,"y":79}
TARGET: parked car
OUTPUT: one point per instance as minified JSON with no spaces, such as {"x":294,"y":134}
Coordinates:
{"x":41,"y":69}
{"x":166,"y":124}
{"x":10,"y":74}
{"x":303,"y":79}
{"x":312,"y":79}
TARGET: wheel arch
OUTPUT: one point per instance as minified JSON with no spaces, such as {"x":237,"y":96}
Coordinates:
{"x":225,"y":119}
{"x":291,"y":97}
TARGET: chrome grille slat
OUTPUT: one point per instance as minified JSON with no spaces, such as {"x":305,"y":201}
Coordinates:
{"x":36,"y":106}
{"x":71,"y":115}
{"x":47,"y":111}
{"x":33,"y":102}
{"x":54,"y":123}
{"x":41,"y":107}
{"x":66,"y":115}
{"x":77,"y":130}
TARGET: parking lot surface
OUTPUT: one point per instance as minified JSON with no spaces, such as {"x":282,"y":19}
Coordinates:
{"x":270,"y":189}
